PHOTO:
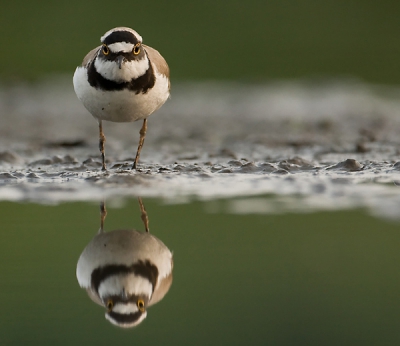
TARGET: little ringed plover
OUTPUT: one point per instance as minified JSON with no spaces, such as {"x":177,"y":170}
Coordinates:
{"x":122,"y":80}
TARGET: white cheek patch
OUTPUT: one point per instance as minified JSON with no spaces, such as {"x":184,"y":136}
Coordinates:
{"x":130,"y":69}
{"x":121,"y":47}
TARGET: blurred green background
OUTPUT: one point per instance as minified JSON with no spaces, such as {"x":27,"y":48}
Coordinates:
{"x":221,"y":39}
{"x":328,"y":278}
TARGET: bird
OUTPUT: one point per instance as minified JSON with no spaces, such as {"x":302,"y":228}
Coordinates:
{"x":122,"y":80}
{"x":125,"y":271}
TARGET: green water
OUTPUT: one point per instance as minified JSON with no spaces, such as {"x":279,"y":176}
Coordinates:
{"x":219,"y":39}
{"x":327,"y":278}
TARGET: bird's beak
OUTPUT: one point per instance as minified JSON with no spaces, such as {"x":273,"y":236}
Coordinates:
{"x":120,"y":60}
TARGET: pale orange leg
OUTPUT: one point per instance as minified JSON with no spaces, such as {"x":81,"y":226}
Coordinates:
{"x":142,"y":132}
{"x":143,"y":215}
{"x":102,"y":141}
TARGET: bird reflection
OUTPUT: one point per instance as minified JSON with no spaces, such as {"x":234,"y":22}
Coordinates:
{"x":126,"y":271}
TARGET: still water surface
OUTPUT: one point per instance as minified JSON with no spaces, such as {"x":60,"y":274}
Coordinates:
{"x":323,"y":278}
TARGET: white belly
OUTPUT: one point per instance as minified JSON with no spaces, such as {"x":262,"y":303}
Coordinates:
{"x":120,"y":106}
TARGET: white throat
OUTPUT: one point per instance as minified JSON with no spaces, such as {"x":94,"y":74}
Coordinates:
{"x":129,"y":70}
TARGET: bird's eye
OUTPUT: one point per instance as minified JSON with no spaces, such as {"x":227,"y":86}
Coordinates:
{"x":136,"y":49}
{"x":106,"y":50}
{"x":140,"y":305}
{"x":109,"y":305}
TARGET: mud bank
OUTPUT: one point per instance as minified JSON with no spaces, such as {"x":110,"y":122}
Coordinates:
{"x":311,"y":144}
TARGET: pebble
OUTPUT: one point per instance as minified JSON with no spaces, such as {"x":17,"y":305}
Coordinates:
{"x":9,"y":157}
{"x":4,"y":176}
{"x":349,"y":165}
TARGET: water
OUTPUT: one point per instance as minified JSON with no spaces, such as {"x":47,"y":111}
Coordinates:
{"x":306,"y":279}
{"x":278,"y":201}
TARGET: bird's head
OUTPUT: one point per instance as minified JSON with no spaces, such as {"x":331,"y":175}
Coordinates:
{"x":121,"y":56}
{"x":126,"y":310}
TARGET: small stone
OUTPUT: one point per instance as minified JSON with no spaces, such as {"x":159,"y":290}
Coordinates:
{"x":32,"y":176}
{"x":249,"y":167}
{"x":163,"y":169}
{"x":69,"y":159}
{"x":225,"y":170}
{"x":57,"y":159}
{"x":5,"y":176}
{"x":288,"y":166}
{"x":300,"y":162}
{"x":91,"y":163}
{"x":89,"y":160}
{"x":280,"y":171}
{"x":7,"y":156}
{"x":267,"y":167}
{"x":349,"y":165}
{"x":396,"y":166}
{"x":44,"y":162}
{"x":235,"y":163}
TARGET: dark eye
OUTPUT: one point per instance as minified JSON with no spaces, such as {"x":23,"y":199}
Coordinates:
{"x":109,"y":305}
{"x":136,"y":49}
{"x":106,"y":50}
{"x":140,"y":305}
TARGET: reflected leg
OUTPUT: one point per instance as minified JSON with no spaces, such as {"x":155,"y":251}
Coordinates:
{"x":103,"y":214}
{"x":143,"y":215}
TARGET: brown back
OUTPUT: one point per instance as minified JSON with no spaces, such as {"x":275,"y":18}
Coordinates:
{"x":157,"y":60}
{"x":90,"y":56}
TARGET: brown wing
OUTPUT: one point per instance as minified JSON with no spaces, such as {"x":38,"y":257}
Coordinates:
{"x":162,"y":289}
{"x":93,"y":296}
{"x":90,"y":56}
{"x":157,"y":60}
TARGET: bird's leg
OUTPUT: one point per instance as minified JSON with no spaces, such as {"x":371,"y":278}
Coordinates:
{"x":103,"y":214}
{"x":142,"y":132}
{"x":102,"y":141}
{"x":143,"y":215}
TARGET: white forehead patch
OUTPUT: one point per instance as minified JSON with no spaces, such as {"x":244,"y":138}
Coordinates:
{"x":121,"y":47}
{"x":129,"y":308}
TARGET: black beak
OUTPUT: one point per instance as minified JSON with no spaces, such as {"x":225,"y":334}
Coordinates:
{"x":120,"y":60}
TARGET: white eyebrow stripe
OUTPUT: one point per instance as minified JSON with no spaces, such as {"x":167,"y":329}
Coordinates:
{"x":121,"y":47}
